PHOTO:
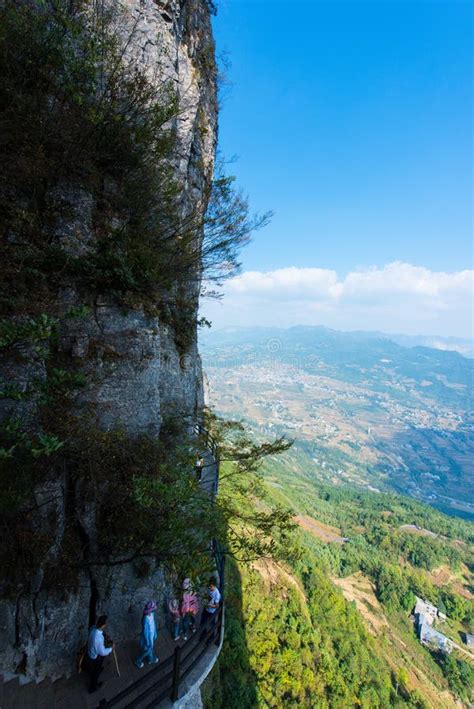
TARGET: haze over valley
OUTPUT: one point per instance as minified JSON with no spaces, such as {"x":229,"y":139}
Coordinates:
{"x":361,"y":408}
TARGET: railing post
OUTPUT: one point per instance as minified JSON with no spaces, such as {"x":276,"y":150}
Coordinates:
{"x":176,"y":668}
{"x":217,"y":641}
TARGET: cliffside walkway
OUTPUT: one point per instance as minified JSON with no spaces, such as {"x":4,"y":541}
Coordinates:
{"x":154,"y":685}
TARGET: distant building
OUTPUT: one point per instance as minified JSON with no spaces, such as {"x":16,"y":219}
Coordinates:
{"x":421,"y":619}
{"x":425,"y":609}
{"x":434,"y":639}
{"x":425,"y":614}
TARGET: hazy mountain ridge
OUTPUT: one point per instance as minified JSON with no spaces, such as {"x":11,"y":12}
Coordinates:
{"x":462,"y":346}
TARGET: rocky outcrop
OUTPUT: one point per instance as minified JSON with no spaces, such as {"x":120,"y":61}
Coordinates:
{"x":136,"y":375}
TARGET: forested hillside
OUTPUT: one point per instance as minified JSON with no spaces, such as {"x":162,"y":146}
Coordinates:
{"x":327,"y":624}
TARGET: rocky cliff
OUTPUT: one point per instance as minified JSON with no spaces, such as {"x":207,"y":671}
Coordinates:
{"x":139,"y":374}
{"x":135,"y":373}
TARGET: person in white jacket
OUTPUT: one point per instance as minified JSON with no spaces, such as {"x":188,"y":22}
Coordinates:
{"x":96,"y":652}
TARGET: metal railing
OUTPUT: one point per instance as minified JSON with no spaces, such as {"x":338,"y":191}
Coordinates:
{"x":212,"y":446}
{"x":165,"y":680}
{"x":208,"y":440}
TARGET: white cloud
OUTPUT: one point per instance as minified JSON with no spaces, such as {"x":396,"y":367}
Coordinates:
{"x":398,"y":297}
{"x":286,"y":283}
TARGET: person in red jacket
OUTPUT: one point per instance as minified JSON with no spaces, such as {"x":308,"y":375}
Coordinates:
{"x":189,"y":608}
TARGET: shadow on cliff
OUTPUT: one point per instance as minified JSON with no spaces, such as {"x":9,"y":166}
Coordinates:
{"x":232,"y":683}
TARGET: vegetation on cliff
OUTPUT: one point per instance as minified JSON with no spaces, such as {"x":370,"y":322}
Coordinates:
{"x":92,"y":203}
{"x":79,"y":112}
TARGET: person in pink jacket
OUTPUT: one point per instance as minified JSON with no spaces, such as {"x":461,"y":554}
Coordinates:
{"x":189,"y":608}
{"x":175,"y":617}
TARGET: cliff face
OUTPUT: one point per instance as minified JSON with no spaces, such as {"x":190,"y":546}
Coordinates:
{"x":136,"y":376}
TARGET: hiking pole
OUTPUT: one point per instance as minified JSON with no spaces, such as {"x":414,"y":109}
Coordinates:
{"x":116,"y":661}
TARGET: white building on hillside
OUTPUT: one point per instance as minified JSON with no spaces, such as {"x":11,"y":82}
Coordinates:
{"x":434,"y":639}
{"x":426,"y":609}
{"x":425,"y":615}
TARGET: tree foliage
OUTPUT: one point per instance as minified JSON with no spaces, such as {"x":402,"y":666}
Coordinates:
{"x":255,"y":529}
{"x":284,"y":648}
{"x":81,"y":116}
{"x":91,"y":198}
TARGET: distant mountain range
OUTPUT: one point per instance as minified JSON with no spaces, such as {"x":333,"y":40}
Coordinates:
{"x":463,"y":346}
{"x":436,"y":342}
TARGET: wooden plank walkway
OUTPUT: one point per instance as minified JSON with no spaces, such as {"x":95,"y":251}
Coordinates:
{"x":72,"y":692}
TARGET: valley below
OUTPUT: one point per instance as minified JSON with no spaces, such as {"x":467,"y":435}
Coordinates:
{"x":361,"y":410}
{"x":382,"y":442}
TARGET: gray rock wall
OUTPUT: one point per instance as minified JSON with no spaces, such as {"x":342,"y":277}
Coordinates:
{"x":136,"y":375}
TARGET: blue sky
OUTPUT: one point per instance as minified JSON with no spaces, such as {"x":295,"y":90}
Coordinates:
{"x":352,"y":121}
